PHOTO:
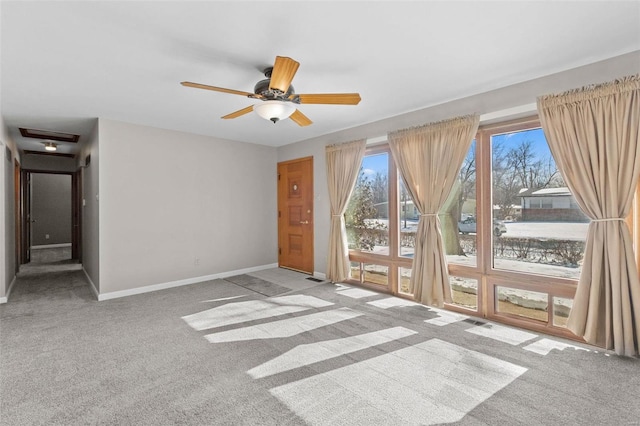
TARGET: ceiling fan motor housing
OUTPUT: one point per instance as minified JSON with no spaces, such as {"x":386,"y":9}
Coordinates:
{"x":262,"y":88}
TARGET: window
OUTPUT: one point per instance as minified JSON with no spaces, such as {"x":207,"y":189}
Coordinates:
{"x":513,"y":233}
{"x":367,"y":216}
{"x":381,"y":222}
{"x":531,"y":233}
{"x":547,"y":237}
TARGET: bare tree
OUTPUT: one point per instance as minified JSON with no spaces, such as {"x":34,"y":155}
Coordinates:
{"x":380,"y":188}
{"x":467,"y":178}
{"x":532,"y":171}
{"x":517,"y":168}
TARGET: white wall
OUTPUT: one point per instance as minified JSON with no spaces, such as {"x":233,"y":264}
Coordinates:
{"x":90,"y":214}
{"x":490,"y":102}
{"x":175,"y":206}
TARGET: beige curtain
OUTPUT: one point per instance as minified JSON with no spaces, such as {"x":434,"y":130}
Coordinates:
{"x":429,"y":160}
{"x":593,"y":134}
{"x":343,"y":164}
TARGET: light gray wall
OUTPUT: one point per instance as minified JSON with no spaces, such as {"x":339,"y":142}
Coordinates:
{"x":176,"y":206}
{"x":90,"y":212}
{"x":497,"y":100}
{"x":3,"y":213}
{"x":50,"y":208}
{"x":7,"y":212}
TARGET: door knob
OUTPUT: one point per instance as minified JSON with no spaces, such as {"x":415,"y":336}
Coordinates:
{"x":305,"y":222}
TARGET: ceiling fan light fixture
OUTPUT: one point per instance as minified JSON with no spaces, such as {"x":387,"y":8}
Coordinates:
{"x":50,"y":146}
{"x":274,"y":110}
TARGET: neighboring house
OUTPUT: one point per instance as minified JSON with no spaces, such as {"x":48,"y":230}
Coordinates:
{"x":410,"y":212}
{"x":550,"y":204}
{"x":382,"y":210}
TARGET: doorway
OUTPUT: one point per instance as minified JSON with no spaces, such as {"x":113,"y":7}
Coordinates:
{"x":295,"y":215}
{"x":49,"y":217}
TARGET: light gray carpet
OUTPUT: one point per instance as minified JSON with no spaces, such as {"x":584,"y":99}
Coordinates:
{"x":216,"y":353}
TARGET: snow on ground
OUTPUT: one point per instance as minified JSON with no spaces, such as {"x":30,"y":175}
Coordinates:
{"x":544,"y":230}
{"x":547,"y":230}
{"x":540,"y":230}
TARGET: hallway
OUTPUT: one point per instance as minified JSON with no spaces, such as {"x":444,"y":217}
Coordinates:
{"x":51,"y":274}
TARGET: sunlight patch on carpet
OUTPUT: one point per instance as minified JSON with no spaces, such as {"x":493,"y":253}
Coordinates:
{"x":284,"y":328}
{"x":224,"y":299}
{"x":311,"y":353}
{"x":445,"y":317}
{"x":356,"y":293}
{"x":502,"y":334}
{"x":429,"y":383}
{"x":544,"y":346}
{"x":239,"y":312}
{"x":392,"y":302}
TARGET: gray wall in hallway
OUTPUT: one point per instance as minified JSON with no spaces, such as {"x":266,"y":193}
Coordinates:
{"x":50,"y":208}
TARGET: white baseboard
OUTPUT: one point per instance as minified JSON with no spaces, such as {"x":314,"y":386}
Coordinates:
{"x":319,"y":275}
{"x":50,"y":246}
{"x":91,"y":284}
{"x":5,"y":299}
{"x":179,"y":283}
{"x":13,"y":282}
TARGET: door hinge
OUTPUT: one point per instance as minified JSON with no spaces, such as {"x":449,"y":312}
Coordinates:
{"x":278,"y":176}
{"x":279,"y":213}
{"x":279,"y":251}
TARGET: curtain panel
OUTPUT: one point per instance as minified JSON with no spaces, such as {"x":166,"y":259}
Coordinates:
{"x":429,"y":160}
{"x":593,"y":134}
{"x":343,"y":164}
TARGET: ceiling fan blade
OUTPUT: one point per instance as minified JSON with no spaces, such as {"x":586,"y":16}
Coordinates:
{"x":329,"y":98}
{"x":300,"y":119}
{"x":218,"y":89}
{"x":283,"y":71}
{"x":240,"y":112}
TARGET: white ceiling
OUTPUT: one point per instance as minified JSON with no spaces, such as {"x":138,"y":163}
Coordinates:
{"x":64,"y":63}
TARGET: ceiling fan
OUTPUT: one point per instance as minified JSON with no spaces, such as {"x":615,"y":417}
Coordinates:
{"x":278,"y":96}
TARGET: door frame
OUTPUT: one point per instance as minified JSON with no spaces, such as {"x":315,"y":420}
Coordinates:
{"x":25,"y":220}
{"x":17,"y":209}
{"x":25,"y":209}
{"x":76,"y":215}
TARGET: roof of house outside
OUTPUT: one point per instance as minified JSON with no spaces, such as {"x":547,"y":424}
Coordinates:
{"x":546,"y":192}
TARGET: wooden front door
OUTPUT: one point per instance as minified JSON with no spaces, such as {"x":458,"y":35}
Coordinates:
{"x":295,"y":215}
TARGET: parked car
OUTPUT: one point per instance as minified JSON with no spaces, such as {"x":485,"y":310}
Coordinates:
{"x":468,"y":226}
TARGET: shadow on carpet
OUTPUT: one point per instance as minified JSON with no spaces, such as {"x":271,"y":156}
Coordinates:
{"x":258,"y":285}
